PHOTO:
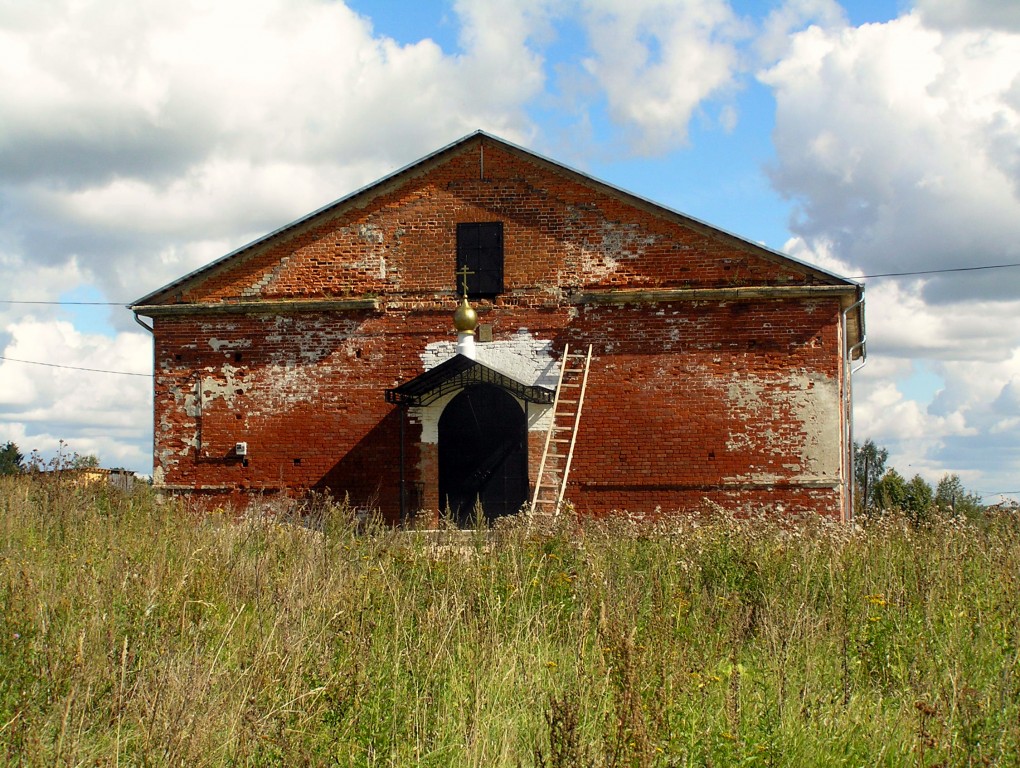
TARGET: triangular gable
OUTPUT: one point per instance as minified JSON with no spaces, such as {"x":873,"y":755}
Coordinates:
{"x":363,"y":196}
{"x":457,"y":373}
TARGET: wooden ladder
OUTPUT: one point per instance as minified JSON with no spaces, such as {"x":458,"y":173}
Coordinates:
{"x":554,"y":469}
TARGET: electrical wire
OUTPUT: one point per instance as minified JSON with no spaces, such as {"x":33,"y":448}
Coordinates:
{"x":849,"y":277}
{"x":74,"y":367}
{"x":124,"y":304}
{"x":67,"y":303}
{"x":934,"y":271}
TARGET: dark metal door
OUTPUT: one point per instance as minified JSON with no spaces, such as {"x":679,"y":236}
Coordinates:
{"x":483,"y":454}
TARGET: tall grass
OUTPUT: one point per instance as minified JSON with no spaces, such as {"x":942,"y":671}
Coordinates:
{"x":139,"y":633}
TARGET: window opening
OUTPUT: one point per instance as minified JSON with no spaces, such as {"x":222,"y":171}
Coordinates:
{"x":480,"y":253}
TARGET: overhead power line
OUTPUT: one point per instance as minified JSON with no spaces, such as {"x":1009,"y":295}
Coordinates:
{"x":75,"y":367}
{"x":67,"y":303}
{"x":850,"y":277}
{"x":934,"y":271}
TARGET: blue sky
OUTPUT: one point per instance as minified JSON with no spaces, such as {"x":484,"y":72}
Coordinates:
{"x":140,"y":141}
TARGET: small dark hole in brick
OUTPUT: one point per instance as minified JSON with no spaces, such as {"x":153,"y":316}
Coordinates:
{"x":244,"y":462}
{"x":237,"y":416}
{"x":357,"y":353}
{"x":238,"y":357}
{"x":297,"y":462}
{"x":178,"y":358}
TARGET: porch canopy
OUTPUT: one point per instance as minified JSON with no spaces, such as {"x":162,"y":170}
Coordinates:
{"x":457,"y":373}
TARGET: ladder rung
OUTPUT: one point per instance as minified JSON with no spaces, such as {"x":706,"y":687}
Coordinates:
{"x":554,"y":464}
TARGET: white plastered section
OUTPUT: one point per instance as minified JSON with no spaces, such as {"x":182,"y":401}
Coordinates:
{"x":522,"y":357}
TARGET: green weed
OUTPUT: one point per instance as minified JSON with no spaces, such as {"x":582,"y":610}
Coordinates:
{"x":137,"y":632}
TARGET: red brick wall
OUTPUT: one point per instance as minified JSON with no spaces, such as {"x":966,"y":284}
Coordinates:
{"x":562,"y":235}
{"x":734,"y":401}
{"x":661,"y":426}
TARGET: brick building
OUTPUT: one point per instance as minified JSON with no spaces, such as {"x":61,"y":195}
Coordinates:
{"x":323,"y":355}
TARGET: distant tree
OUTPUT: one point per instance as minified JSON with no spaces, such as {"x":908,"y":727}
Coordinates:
{"x":869,"y":466}
{"x":951,"y":498}
{"x":890,"y":491}
{"x":914,"y":497}
{"x":11,"y":460}
{"x":920,"y":498}
{"x":88,"y":461}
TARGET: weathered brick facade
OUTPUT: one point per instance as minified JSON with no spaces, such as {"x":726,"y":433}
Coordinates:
{"x":719,"y":367}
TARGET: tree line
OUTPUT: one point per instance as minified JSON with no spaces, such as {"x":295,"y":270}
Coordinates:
{"x":878,"y":486}
{"x":881,"y":488}
{"x":14,"y":462}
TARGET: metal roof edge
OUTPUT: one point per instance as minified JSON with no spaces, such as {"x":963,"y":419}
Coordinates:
{"x":481,"y":134}
{"x":309,"y":216}
{"x":672,"y":211}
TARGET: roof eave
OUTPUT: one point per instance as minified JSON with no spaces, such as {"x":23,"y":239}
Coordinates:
{"x":425,"y":161}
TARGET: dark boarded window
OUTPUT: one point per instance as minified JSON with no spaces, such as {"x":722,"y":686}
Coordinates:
{"x":480,"y":249}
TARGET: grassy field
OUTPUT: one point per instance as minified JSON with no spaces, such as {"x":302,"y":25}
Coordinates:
{"x":134,"y":633}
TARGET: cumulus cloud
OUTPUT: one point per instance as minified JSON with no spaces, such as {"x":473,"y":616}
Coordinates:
{"x":967,"y":352}
{"x":140,"y":141}
{"x":952,"y":14}
{"x":656,"y":62}
{"x":975,"y":357}
{"x":135,"y":130}
{"x":899,"y":145}
{"x":792,"y":16}
{"x":105,"y":414}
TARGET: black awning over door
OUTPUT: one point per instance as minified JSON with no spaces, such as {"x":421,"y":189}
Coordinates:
{"x":458,"y":373}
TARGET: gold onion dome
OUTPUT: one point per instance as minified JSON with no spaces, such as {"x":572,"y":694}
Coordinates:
{"x":465,"y":319}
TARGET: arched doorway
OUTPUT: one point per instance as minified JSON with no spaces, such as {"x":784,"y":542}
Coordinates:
{"x":483,"y":454}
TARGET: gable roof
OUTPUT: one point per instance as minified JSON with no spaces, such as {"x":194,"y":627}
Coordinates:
{"x":457,"y":373}
{"x":363,"y":195}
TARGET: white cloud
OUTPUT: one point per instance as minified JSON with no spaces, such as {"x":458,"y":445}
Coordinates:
{"x":791,"y":16}
{"x":657,"y":61}
{"x":900,"y":144}
{"x":106,"y":414}
{"x":142,"y":140}
{"x":134,"y":130}
{"x":1002,"y":14}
